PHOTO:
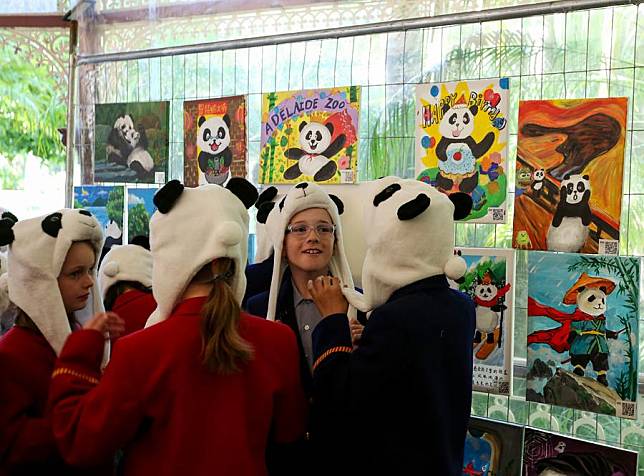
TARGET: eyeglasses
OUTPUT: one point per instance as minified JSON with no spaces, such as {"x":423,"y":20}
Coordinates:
{"x":323,"y":230}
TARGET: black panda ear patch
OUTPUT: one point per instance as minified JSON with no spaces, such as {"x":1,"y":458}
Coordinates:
{"x":226,"y":119}
{"x":167,"y":196}
{"x":9,"y":216}
{"x":201,"y":120}
{"x":462,"y":204}
{"x":586,"y":177}
{"x":329,"y":126}
{"x":474,"y":110}
{"x":282,"y":202}
{"x":266,"y":196}
{"x":386,"y":194}
{"x":414,"y":207}
{"x":244,"y":190}
{"x":263,"y":210}
{"x":302,"y":125}
{"x":567,"y":177}
{"x":52,"y":224}
{"x":141,"y":240}
{"x":445,"y":108}
{"x":603,"y":289}
{"x":6,"y":232}
{"x":85,"y":212}
{"x":338,"y":203}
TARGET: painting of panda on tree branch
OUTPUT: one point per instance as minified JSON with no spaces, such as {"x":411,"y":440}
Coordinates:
{"x":569,"y":173}
{"x":583,"y":332}
{"x":462,"y":142}
{"x":310,"y":135}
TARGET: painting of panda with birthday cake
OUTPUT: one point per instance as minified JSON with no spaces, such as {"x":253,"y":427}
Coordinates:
{"x":461,"y":142}
{"x":310,"y":135}
{"x":131,"y":142}
{"x":214,"y":140}
{"x":570,"y":163}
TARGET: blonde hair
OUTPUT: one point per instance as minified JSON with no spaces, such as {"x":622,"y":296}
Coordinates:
{"x":224,"y":350}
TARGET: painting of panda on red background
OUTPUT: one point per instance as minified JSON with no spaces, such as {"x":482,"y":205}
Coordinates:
{"x":131,"y":142}
{"x":214,"y":140}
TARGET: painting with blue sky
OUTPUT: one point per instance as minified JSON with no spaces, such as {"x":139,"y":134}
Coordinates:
{"x":140,"y":207}
{"x":583,"y":332}
{"x":106,"y":204}
{"x":492,"y":448}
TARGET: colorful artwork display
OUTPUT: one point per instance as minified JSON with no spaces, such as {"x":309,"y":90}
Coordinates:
{"x":462,"y":141}
{"x":489,"y":282}
{"x":570,"y":163}
{"x":131,"y":142}
{"x":106,"y":204}
{"x":548,"y":454}
{"x":140,"y":208}
{"x":583,"y":332}
{"x":492,"y":448}
{"x":310,"y":135}
{"x":214,"y":140}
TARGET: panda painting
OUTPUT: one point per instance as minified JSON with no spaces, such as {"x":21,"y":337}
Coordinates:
{"x":314,"y":156}
{"x":457,"y":150}
{"x":213,"y":139}
{"x":486,"y":319}
{"x":538,"y":177}
{"x":127,"y":146}
{"x":569,"y":229}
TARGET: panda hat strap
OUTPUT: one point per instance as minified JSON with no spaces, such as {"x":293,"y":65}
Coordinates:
{"x":37,"y":250}
{"x":303,"y":196}
{"x":209,"y":222}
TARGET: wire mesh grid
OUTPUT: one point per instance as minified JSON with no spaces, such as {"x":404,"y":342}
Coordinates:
{"x":588,"y":53}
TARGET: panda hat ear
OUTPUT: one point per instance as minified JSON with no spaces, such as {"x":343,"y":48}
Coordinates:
{"x":226,"y":119}
{"x":266,"y":196}
{"x":338,"y":203}
{"x":302,"y":126}
{"x":52,"y":224}
{"x":244,"y":190}
{"x":6,"y":232}
{"x":462,"y":204}
{"x":167,"y":196}
{"x":263,"y":211}
{"x":9,"y":216}
{"x":414,"y":207}
{"x":201,"y":120}
{"x":141,"y":240}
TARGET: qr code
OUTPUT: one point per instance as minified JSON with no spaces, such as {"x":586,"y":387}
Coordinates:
{"x":498,"y":214}
{"x":628,"y":410}
{"x":159,"y":177}
{"x":346,"y":176}
{"x":504,"y":388}
{"x":608,"y":247}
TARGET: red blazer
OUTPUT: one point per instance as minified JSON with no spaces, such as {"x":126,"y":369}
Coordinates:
{"x":169,"y":414}
{"x":27,"y":444}
{"x":134,"y":307}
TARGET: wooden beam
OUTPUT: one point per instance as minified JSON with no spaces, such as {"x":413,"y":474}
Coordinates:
{"x":33,"y":21}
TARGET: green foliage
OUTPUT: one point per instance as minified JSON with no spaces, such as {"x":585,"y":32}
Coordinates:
{"x":31,"y":110}
{"x":138,"y":221}
{"x":497,"y":268}
{"x":114,"y":205}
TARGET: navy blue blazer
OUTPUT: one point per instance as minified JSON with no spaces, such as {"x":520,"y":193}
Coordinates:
{"x":402,"y":399}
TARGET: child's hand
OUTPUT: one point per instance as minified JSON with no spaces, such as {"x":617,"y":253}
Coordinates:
{"x":107,"y":323}
{"x":327,"y":295}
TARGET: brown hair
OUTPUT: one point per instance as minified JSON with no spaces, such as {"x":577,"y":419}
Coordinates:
{"x":223,"y":348}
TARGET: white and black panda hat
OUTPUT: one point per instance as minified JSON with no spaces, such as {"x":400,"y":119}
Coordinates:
{"x":131,"y":262}
{"x":37,"y":250}
{"x":192,"y":227}
{"x":411,"y":237}
{"x":303,"y":196}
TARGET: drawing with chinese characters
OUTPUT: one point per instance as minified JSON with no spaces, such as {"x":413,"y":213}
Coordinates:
{"x":583,"y":332}
{"x":489,"y":282}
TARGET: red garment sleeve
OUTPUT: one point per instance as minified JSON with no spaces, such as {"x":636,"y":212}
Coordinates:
{"x":93,"y":416}
{"x":23,"y":439}
{"x":290,"y":411}
{"x":535,"y":308}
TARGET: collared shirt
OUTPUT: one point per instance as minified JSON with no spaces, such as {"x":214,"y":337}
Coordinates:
{"x":307,"y":316}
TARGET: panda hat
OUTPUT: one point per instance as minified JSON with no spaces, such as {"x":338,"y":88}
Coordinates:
{"x":191,"y":228}
{"x":125,"y":263}
{"x":264,"y":205}
{"x":301,"y":197}
{"x":411,"y":238}
{"x":37,"y":250}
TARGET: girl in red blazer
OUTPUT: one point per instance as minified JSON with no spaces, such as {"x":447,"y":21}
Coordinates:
{"x":51,"y":274}
{"x":203,"y":388}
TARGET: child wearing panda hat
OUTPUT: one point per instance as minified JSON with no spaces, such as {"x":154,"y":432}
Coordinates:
{"x":51,"y":273}
{"x":204,"y":387}
{"x":125,"y":281}
{"x":403,"y":395}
